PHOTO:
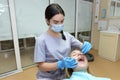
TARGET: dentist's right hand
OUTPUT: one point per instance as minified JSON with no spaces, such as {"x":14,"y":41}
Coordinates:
{"x":67,"y":62}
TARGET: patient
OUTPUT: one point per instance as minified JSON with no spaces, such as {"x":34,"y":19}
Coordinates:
{"x":81,"y":71}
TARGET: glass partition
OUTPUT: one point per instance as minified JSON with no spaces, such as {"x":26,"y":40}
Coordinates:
{"x":84,"y":20}
{"x":7,"y":53}
{"x":118,"y":9}
{"x":30,"y":23}
{"x":114,"y":8}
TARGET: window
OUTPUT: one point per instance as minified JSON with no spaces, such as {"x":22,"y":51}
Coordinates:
{"x":115,"y":8}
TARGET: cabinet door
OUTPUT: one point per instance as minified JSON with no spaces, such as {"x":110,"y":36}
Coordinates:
{"x":118,"y":48}
{"x":107,"y":46}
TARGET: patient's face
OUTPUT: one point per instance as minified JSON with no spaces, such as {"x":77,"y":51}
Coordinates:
{"x":81,"y":59}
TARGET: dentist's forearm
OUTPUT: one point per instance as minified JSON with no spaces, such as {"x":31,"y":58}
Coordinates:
{"x":44,"y":66}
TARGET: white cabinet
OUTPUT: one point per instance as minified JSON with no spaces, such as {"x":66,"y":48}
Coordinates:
{"x":109,"y":45}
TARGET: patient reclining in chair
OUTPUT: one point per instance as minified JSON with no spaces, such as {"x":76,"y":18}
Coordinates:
{"x":81,"y":71}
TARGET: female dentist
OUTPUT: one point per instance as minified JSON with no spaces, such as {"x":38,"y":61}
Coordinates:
{"x":53,"y":47}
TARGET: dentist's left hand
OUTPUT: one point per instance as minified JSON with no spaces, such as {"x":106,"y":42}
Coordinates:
{"x":67,"y":62}
{"x":86,"y":47}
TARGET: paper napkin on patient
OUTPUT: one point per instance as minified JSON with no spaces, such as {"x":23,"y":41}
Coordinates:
{"x":85,"y":76}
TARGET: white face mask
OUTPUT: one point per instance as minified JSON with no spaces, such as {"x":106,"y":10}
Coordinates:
{"x":57,"y":28}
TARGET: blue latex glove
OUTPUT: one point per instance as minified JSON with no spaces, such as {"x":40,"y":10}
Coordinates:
{"x":67,"y":62}
{"x":86,"y":47}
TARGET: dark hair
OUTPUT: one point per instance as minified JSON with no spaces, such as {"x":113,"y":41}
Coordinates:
{"x":52,"y":10}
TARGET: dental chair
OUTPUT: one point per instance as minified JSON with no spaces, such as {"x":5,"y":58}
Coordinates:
{"x":90,"y":57}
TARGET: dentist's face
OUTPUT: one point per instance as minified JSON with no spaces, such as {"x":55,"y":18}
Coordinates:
{"x":81,"y":59}
{"x":57,"y":19}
